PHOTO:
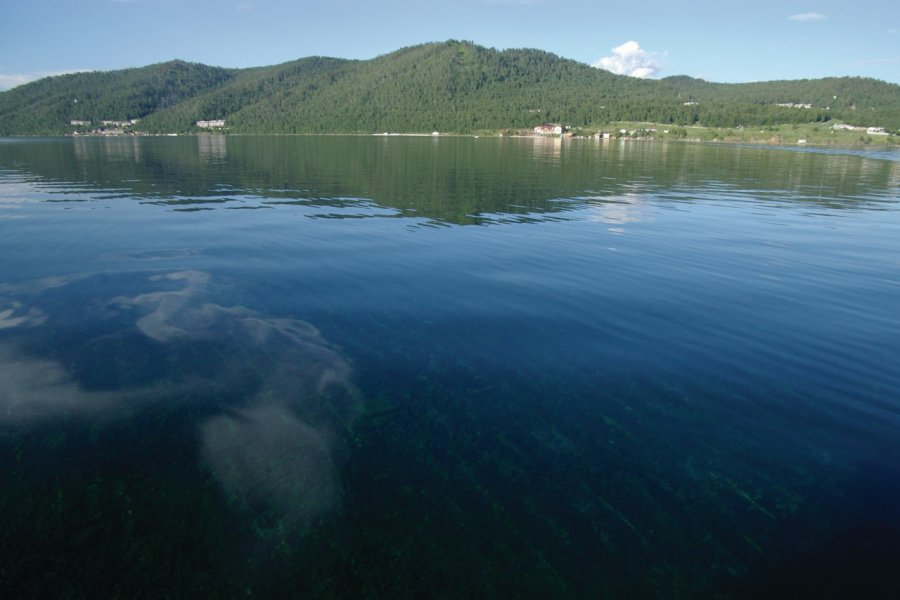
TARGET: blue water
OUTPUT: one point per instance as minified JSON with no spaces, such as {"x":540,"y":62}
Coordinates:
{"x":282,"y":366}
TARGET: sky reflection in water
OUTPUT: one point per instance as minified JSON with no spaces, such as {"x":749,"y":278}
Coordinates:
{"x":275,"y":450}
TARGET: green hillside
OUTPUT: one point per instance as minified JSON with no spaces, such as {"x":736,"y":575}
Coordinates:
{"x":246,"y":88}
{"x":449,"y":86}
{"x":47,"y":106}
{"x":855,"y":100}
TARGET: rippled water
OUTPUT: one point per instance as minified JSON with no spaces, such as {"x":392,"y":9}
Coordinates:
{"x":283,"y":366}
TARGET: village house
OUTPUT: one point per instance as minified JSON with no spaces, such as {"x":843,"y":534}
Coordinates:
{"x":211,"y":123}
{"x":119,"y":124}
{"x":549,"y":129}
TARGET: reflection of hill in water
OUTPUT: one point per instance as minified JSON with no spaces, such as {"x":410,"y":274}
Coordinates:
{"x":449,"y":180}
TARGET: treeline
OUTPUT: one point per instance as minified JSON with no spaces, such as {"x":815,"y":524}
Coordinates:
{"x":451,"y":86}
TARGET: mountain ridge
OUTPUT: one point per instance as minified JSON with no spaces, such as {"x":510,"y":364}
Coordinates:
{"x":447,"y":86}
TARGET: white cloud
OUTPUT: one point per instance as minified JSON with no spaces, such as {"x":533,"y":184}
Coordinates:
{"x":630,"y":59}
{"x":813,"y":16}
{"x":11,"y":80}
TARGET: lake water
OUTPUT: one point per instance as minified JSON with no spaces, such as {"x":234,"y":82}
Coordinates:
{"x":407,"y":367}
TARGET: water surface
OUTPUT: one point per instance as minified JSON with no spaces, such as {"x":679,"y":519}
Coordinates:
{"x":280,"y":366}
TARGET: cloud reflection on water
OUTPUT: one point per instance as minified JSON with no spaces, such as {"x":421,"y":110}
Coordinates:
{"x":16,"y":315}
{"x":32,"y":388}
{"x":274,"y":463}
{"x":273,"y":449}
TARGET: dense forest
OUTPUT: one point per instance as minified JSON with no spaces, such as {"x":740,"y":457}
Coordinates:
{"x":450,"y":87}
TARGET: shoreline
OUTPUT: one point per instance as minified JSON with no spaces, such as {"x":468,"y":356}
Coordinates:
{"x":774,"y":138}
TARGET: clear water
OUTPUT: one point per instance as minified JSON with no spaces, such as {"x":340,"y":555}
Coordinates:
{"x":352,"y":366}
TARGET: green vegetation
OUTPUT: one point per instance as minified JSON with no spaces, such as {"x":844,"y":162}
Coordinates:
{"x":451,"y":87}
{"x":47,"y":106}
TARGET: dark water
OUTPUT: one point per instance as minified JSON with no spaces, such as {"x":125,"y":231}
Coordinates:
{"x":366,"y":367}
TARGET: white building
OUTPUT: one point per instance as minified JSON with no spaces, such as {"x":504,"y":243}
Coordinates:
{"x":211,"y":123}
{"x":549,"y":129}
{"x":119,"y":123}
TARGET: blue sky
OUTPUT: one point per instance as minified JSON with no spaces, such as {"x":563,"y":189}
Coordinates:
{"x":722,"y":40}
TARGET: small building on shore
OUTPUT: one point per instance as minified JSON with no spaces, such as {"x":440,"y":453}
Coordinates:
{"x":549,"y":129}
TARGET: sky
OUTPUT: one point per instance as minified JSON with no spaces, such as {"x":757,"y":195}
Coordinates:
{"x":717,"y":40}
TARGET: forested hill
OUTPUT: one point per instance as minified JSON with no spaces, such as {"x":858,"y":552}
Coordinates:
{"x":450,"y":86}
{"x":47,"y":106}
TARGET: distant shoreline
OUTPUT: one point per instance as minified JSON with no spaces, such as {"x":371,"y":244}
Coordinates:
{"x":812,"y":135}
